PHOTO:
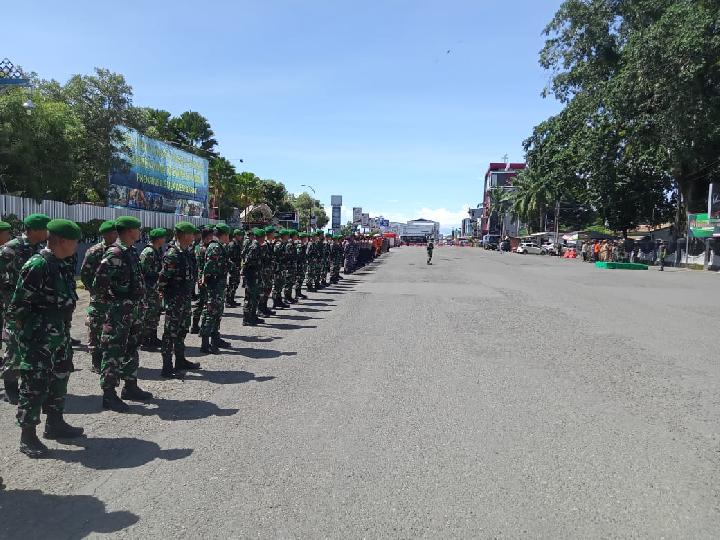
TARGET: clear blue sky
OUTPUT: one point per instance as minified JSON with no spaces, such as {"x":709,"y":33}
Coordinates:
{"x":354,"y":98}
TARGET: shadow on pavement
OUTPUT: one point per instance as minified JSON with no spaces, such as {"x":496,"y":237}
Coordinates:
{"x":311,"y":310}
{"x":262,"y":353}
{"x":281,"y":326}
{"x":116,"y":453}
{"x":251,"y":339}
{"x":34,"y":514}
{"x":296,"y":317}
{"x":165,"y":409}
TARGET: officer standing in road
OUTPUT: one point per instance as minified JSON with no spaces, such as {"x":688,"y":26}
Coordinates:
{"x":176,"y":283}
{"x":39,"y":314}
{"x":252,"y":269}
{"x":13,"y":255}
{"x":214,"y":278}
{"x":430,"y":248}
{"x":150,"y":264}
{"x":97,"y":309}
{"x":120,"y":284}
{"x":235,"y":254}
{"x":200,"y":250}
{"x":662,"y":253}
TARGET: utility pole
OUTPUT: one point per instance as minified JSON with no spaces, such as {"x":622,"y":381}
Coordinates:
{"x":557,"y":222}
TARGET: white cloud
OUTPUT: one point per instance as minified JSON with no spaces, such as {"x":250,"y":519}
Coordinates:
{"x":446,"y":218}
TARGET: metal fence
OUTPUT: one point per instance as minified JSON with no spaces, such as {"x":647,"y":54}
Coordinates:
{"x":82,"y":213}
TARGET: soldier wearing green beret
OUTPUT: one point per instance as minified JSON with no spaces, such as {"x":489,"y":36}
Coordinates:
{"x":235,"y":250}
{"x":97,"y":309}
{"x":288,"y":266}
{"x":336,"y":258}
{"x":13,"y":255}
{"x":5,"y":236}
{"x":176,"y":283}
{"x":267,"y":270}
{"x":214,"y":278}
{"x":278,"y":251}
{"x":252,"y":269}
{"x":121,"y":286}
{"x":39,"y":317}
{"x":200,"y":251}
{"x":301,"y":263}
{"x":150,"y":264}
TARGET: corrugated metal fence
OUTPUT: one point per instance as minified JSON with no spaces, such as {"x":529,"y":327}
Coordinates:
{"x":82,"y":213}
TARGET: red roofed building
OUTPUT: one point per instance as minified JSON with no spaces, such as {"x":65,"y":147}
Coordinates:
{"x":498,"y":174}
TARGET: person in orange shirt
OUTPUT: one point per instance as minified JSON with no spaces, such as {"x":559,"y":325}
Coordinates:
{"x":596,"y":251}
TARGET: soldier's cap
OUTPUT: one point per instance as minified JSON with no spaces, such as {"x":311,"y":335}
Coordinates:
{"x":127,"y":222}
{"x":302,"y":235}
{"x":238,"y":232}
{"x":319,"y":234}
{"x":293,"y":233}
{"x":64,"y":228}
{"x":4,"y":226}
{"x":185,"y":227}
{"x":36,"y":222}
{"x":222,"y":228}
{"x":257,"y":231}
{"x":270,"y":229}
{"x":207,"y":231}
{"x":106,"y":227}
{"x":328,"y":235}
{"x":284,"y":232}
{"x":157,"y":233}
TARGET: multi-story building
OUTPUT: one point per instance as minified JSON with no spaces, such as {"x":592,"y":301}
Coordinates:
{"x":498,"y":175}
{"x":416,"y":230}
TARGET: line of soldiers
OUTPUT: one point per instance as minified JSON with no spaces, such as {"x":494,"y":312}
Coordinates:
{"x":128,"y":291}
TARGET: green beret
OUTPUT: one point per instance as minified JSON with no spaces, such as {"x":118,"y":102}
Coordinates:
{"x":302,"y":235}
{"x":284,"y":232}
{"x":36,"y":221}
{"x":292,"y":232}
{"x":4,"y":226}
{"x":319,"y":234}
{"x":257,"y":231}
{"x":106,"y":227}
{"x":127,"y":222}
{"x":222,"y":228}
{"x":64,"y":228}
{"x":237,"y":232}
{"x":270,"y":229}
{"x":185,"y":227}
{"x":328,"y":235}
{"x":155,"y":234}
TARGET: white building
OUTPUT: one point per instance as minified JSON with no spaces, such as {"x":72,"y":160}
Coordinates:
{"x":416,"y":230}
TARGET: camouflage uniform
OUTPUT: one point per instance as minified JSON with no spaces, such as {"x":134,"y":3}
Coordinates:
{"x":300,"y":267}
{"x":39,"y":316}
{"x":13,"y":255}
{"x":336,"y":257}
{"x":234,"y":252}
{"x":120,"y":285}
{"x":176,"y":283}
{"x":252,"y":269}
{"x":150,"y":265}
{"x":326,"y":261}
{"x":430,"y":248}
{"x":266,"y":274}
{"x":97,"y":309}
{"x":311,"y":258}
{"x":290,"y":268}
{"x":200,"y":252}
{"x":278,"y":271}
{"x":215,"y":278}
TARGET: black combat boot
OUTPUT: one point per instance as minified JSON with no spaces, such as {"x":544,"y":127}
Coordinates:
{"x":57,"y":428}
{"x":299,"y":294}
{"x":182,"y":363}
{"x":289,"y":299}
{"x":112,"y":402}
{"x":149,"y":344}
{"x":96,"y":360}
{"x":168,"y":372}
{"x":195,"y":325}
{"x":12,"y":390}
{"x":205,"y":347}
{"x":214,"y":344}
{"x":30,"y":445}
{"x":221,"y":342}
{"x":132,"y":392}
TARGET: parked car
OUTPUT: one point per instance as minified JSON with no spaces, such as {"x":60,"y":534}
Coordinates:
{"x":531,"y":248}
{"x":491,"y":241}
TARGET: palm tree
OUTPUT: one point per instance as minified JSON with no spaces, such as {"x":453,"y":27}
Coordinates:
{"x":532,"y":196}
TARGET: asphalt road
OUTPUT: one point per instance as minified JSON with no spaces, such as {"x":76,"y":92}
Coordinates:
{"x":486,"y":395}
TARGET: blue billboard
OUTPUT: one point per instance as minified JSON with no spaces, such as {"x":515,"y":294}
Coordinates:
{"x":158,"y":177}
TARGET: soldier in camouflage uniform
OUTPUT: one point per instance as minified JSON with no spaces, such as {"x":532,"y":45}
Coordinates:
{"x":252,"y":269}
{"x":235,"y":249}
{"x":278,"y":250}
{"x":176,"y":284}
{"x":310,"y":253}
{"x":197,"y":240}
{"x":319,"y":259}
{"x":336,"y":259}
{"x":5,"y":236}
{"x":214,"y":278}
{"x":150,"y":265}
{"x":200,"y":251}
{"x":301,"y":263}
{"x":39,"y":316}
{"x":290,"y":266}
{"x":13,"y":255}
{"x":97,"y":308}
{"x":120,"y":285}
{"x":266,"y":270}
{"x":327,"y":260}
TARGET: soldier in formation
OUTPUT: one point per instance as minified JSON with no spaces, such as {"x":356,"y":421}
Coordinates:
{"x":150,"y":264}
{"x":200,"y":250}
{"x":214,"y":280}
{"x":235,"y":256}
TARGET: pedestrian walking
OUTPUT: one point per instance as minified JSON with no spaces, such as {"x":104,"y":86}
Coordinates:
{"x":662,"y":253}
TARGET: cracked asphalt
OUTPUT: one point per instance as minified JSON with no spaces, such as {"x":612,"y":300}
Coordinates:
{"x":484,"y":396}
